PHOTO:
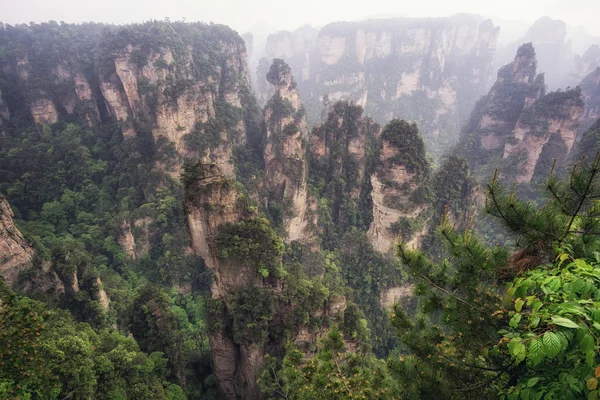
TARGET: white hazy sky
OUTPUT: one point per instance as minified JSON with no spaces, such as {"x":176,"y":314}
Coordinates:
{"x":290,"y":14}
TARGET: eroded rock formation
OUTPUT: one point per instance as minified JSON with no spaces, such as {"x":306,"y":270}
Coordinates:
{"x":395,"y":67}
{"x":212,"y":203}
{"x":15,"y":253}
{"x":285,"y":152}
{"x":157,"y":80}
{"x":590,"y":91}
{"x":402,"y":169}
{"x":517,"y":126}
{"x":555,"y":56}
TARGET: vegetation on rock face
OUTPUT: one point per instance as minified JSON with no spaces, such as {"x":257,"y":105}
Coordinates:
{"x":253,"y":241}
{"x":408,"y":145}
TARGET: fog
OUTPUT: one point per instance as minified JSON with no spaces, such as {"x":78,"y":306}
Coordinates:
{"x":269,"y":15}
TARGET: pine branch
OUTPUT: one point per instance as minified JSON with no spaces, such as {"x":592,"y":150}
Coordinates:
{"x":583,"y":198}
{"x":488,"y":382}
{"x":431,"y":283}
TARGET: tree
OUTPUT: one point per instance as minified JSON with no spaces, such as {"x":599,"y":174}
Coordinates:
{"x":332,"y":373}
{"x":473,"y":339}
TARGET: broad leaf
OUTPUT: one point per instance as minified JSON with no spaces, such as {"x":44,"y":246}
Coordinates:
{"x":536,"y":351}
{"x":519,"y":304}
{"x":567,"y":323}
{"x":551,"y":344}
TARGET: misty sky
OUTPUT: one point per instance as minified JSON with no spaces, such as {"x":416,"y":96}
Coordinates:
{"x":290,"y":14}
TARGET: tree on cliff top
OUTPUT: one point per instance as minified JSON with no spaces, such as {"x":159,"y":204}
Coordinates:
{"x":539,"y":337}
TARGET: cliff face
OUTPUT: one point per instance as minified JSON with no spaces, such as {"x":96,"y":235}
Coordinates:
{"x":590,"y":91}
{"x":546,"y":130}
{"x":173,"y":81}
{"x":402,"y":170}
{"x":212,"y":203}
{"x":495,"y":115}
{"x":285,"y":152}
{"x":425,"y":70}
{"x":517,"y":125}
{"x":585,"y":65}
{"x":294,"y":46}
{"x":554,"y":53}
{"x":339,"y":155}
{"x":15,"y":253}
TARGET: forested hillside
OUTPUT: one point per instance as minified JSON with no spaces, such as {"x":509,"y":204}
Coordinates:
{"x":162,"y":236}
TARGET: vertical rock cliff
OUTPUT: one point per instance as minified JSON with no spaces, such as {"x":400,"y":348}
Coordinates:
{"x":285,"y":152}
{"x":215,"y":214}
{"x":585,"y":65}
{"x":546,"y":130}
{"x":15,"y":253}
{"x":398,"y":182}
{"x":495,"y":115}
{"x":184,"y":86}
{"x":555,"y":55}
{"x":425,"y":70}
{"x":517,"y":126}
{"x":590,"y":91}
{"x":339,"y":161}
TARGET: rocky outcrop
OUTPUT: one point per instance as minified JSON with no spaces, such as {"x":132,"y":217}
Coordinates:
{"x":295,"y":48}
{"x":545,"y":130}
{"x":396,"y":68}
{"x":15,"y":253}
{"x":588,"y":146}
{"x":285,"y":152}
{"x":211,"y":204}
{"x":339,"y":149}
{"x":496,"y":114}
{"x":590,"y":91}
{"x":134,"y":237}
{"x":402,"y":169}
{"x":518,"y":126}
{"x":397,"y":294}
{"x":585,"y":65}
{"x":172,"y":90}
{"x":186,"y":84}
{"x":554,"y":53}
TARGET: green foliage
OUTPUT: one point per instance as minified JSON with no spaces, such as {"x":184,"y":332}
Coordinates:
{"x":45,"y":354}
{"x":332,"y":373}
{"x":406,"y":141}
{"x":554,"y":322}
{"x":535,"y":340}
{"x":254,"y":241}
{"x":252,"y":308}
{"x":277,"y":69}
{"x":337,"y":178}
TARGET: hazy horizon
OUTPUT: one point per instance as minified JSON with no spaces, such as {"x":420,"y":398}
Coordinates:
{"x":243,"y":16}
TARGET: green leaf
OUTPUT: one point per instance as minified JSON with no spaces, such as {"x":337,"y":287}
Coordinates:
{"x":562,"y":258}
{"x":519,"y":304}
{"x":514,"y":321}
{"x":517,"y":350}
{"x":590,"y":358}
{"x":534,"y":321}
{"x":567,"y":323}
{"x":536,"y":351}
{"x":532,"y":382}
{"x":593,"y":395}
{"x":551,"y":344}
{"x":587,"y":343}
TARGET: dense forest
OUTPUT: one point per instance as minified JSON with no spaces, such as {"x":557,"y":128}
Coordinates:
{"x":163,"y":236}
